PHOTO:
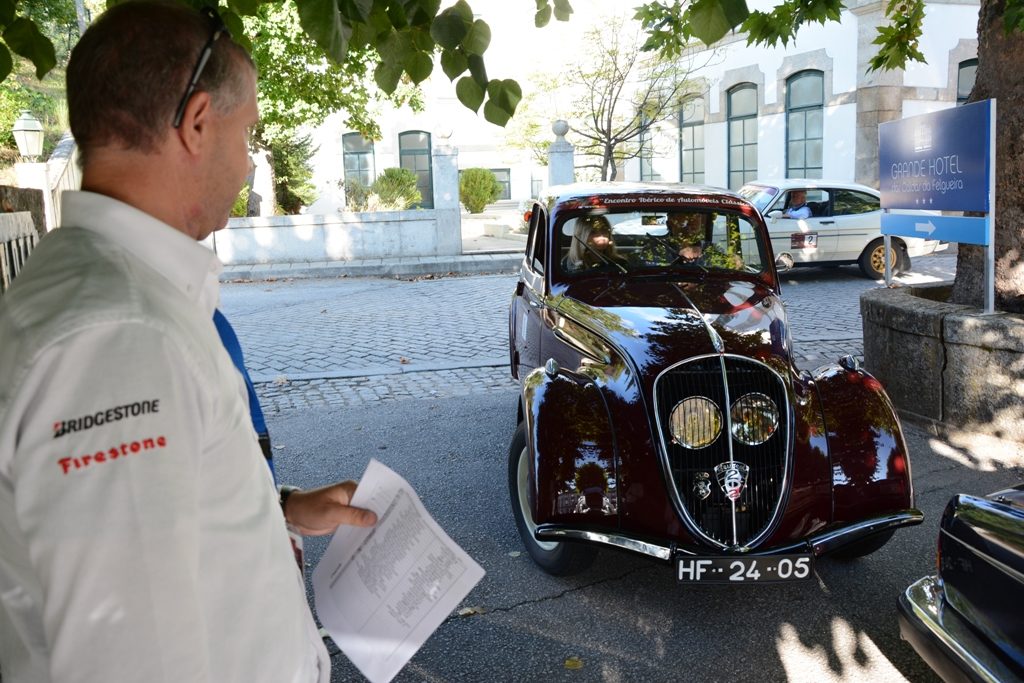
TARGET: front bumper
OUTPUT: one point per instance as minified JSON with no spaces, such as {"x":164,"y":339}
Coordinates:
{"x":944,"y":639}
{"x":819,"y":544}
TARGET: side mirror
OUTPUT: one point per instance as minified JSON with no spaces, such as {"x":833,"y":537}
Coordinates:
{"x":774,"y":215}
{"x":784,"y":262}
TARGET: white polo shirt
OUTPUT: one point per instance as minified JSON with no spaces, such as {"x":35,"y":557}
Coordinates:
{"x":140,"y":534}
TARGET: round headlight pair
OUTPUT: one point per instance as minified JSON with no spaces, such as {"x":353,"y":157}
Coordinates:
{"x":696,"y":422}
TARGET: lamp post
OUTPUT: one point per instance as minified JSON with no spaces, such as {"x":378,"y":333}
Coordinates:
{"x":28,"y":134}
{"x":30,"y":173}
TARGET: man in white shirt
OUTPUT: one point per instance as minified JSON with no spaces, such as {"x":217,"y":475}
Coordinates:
{"x":798,"y":208}
{"x":141,"y":536}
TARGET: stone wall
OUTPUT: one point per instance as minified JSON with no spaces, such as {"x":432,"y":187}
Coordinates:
{"x":340,"y":237}
{"x":945,"y":362}
{"x":24,"y":199}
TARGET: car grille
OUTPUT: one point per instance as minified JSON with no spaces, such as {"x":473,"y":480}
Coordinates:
{"x":723,"y":380}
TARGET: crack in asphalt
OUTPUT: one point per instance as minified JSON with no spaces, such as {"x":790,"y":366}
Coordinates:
{"x":480,"y":611}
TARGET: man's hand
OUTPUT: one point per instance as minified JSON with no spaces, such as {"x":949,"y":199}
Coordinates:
{"x":318,"y":512}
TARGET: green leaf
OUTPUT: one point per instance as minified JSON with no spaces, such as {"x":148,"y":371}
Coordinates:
{"x":421,"y":40}
{"x":246,"y":8}
{"x":236,"y":28}
{"x":453,"y":63}
{"x":6,"y":63}
{"x":495,"y":114}
{"x":477,"y":70}
{"x":424,"y":13}
{"x":505,"y":94}
{"x":710,"y":20}
{"x":448,"y":29}
{"x":478,"y":38}
{"x":6,"y":13}
{"x":469,"y":93}
{"x":563,"y":10}
{"x":386,"y":76}
{"x":419,"y":66}
{"x":463,"y":9}
{"x":542,"y":17}
{"x":24,"y":38}
{"x":396,"y":13}
{"x":363,"y":8}
{"x":322,"y":21}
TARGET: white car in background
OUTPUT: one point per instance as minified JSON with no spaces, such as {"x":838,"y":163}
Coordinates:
{"x":844,"y":226}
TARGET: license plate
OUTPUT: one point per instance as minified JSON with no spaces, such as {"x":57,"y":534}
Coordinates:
{"x":755,"y":569}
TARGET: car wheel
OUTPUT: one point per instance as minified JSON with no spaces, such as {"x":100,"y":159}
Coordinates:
{"x":872,"y":259}
{"x":863,"y":547}
{"x":556,"y":558}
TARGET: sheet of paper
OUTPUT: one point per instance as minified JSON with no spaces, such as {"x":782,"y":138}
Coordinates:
{"x":380,"y":592}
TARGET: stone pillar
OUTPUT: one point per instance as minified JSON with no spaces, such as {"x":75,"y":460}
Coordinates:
{"x":34,"y":175}
{"x":261,"y":199}
{"x":561,"y":164}
{"x":879,"y":94}
{"x":445,"y":167}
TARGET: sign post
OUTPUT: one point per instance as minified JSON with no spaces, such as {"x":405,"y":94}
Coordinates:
{"x":943,"y":161}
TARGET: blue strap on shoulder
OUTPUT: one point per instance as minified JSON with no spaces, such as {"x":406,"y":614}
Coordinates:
{"x":230,"y":341}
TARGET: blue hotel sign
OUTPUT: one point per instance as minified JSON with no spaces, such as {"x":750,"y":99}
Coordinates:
{"x":937,"y":161}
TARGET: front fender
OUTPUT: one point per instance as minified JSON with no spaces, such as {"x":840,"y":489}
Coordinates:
{"x":574,"y":462}
{"x":870,"y":463}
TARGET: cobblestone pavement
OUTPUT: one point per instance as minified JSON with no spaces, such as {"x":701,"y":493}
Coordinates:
{"x":345,"y":342}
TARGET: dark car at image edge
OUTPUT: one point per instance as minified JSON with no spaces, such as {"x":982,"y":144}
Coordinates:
{"x":967,"y":620}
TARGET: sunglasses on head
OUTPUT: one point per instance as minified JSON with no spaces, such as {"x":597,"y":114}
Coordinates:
{"x":217,"y":29}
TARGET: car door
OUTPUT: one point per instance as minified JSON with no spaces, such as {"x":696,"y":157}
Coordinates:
{"x":808,"y":240}
{"x":527,"y":304}
{"x":858,"y":220}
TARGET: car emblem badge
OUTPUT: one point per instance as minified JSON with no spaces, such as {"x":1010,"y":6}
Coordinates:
{"x":732,"y":477}
{"x":702,"y":485}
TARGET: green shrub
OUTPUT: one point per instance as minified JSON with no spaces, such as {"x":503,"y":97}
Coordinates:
{"x":240,"y":209}
{"x":477,"y":188}
{"x":355,"y":195}
{"x":291,"y":156}
{"x":396,"y":188}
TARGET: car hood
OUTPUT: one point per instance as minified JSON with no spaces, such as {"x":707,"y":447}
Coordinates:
{"x":659,"y":323}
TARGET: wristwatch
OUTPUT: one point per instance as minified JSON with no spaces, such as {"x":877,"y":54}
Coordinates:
{"x":283,"y":493}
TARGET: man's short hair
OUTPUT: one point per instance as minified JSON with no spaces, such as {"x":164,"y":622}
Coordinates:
{"x":130,"y":70}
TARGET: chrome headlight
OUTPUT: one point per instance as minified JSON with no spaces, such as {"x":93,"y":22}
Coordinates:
{"x":695,"y":422}
{"x":755,"y":418}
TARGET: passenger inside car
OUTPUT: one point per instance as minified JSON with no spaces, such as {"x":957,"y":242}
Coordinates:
{"x":592,"y":245}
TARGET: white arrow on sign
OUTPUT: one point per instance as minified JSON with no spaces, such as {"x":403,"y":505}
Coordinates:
{"x":928,"y":227}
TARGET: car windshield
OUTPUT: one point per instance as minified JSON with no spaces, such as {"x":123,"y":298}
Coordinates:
{"x":758,"y":195}
{"x":627,"y":242}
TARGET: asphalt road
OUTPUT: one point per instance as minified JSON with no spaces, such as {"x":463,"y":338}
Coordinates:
{"x":626,"y":619}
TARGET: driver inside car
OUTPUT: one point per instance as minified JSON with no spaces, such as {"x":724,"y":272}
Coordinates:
{"x":687,"y":234}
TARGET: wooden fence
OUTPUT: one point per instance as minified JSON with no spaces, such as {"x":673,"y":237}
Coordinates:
{"x":17,"y":239}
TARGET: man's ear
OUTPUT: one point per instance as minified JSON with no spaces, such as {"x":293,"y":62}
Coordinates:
{"x":195,"y":122}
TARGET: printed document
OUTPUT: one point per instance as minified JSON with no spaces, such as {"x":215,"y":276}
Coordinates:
{"x":381,"y":591}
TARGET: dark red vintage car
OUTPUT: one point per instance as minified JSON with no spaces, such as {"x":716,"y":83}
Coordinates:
{"x":661,"y":410}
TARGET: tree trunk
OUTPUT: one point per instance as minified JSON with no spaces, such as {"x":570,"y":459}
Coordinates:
{"x":80,"y":13}
{"x":1000,"y":77}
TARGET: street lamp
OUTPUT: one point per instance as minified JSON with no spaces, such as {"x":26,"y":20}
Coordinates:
{"x":28,"y":133}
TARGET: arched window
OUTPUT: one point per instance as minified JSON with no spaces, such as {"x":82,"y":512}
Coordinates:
{"x":357,"y":156}
{"x":414,"y":154}
{"x":742,"y":134}
{"x":804,"y":124}
{"x":965,"y":78}
{"x":691,"y":141}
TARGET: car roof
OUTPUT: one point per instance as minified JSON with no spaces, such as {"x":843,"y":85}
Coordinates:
{"x":811,"y":183}
{"x":579,"y":193}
